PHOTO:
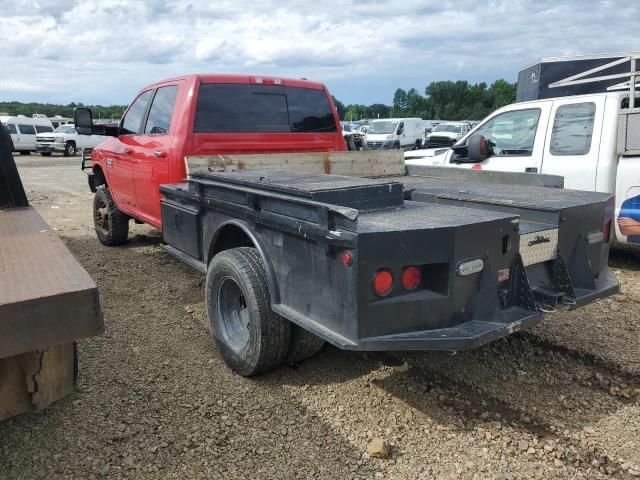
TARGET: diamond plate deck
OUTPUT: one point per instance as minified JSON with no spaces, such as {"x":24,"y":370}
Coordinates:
{"x":46,"y":296}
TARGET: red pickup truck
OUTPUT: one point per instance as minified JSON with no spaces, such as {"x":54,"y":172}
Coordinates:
{"x":199,"y":115}
{"x":295,"y":256}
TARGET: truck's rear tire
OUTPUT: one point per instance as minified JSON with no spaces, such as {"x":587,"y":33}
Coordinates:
{"x":112,"y":226}
{"x":251,"y":337}
{"x":303,"y":345}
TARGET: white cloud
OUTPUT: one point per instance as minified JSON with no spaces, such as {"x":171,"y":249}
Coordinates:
{"x":105,"y":50}
{"x":18,"y":86}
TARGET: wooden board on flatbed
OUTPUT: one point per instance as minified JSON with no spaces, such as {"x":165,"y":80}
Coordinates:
{"x":46,"y":297}
{"x":366,"y":163}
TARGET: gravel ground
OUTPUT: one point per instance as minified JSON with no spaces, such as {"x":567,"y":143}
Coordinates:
{"x":155,"y":400}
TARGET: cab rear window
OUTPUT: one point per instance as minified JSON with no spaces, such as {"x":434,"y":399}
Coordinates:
{"x":239,"y":108}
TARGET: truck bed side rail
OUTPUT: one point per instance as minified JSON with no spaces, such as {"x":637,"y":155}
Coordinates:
{"x":487,"y":176}
{"x":322,"y":222}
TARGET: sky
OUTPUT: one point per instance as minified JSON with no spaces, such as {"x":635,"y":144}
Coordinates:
{"x":104,"y":52}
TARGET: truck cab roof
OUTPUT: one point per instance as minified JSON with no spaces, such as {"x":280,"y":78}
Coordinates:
{"x":246,"y":79}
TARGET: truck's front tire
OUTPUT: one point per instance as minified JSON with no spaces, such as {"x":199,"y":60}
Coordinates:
{"x":112,"y":226}
{"x":251,"y":337}
{"x":69,"y":149}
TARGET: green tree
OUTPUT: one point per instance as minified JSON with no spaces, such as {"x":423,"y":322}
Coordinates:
{"x":339,"y":107}
{"x":378,"y":110}
{"x":355,"y":112}
{"x":400,"y":103}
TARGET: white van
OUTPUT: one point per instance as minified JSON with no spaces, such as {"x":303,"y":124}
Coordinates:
{"x":23,"y":131}
{"x":405,"y":133}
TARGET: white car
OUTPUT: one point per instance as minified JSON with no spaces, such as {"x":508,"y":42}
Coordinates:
{"x":66,"y":140}
{"x":446,"y":134}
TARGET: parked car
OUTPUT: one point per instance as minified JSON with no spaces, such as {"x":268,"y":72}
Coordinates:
{"x":352,"y":136}
{"x":66,"y":140}
{"x":398,"y":133}
{"x":446,"y":134}
{"x":23,"y":131}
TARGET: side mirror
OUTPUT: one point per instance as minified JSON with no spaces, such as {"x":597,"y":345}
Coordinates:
{"x":478,"y":149}
{"x":83,"y":120}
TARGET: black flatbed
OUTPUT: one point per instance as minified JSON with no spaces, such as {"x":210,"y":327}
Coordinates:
{"x":527,"y":244}
{"x":420,"y":215}
{"x":518,"y":196}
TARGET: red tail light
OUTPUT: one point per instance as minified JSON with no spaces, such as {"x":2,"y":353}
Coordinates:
{"x":382,"y":282}
{"x":476,"y":167}
{"x":347,"y":258}
{"x":411,"y":277}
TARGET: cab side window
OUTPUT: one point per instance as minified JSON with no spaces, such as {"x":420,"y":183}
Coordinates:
{"x":512,"y":133}
{"x":12,"y":128}
{"x":161,"y":111}
{"x":573,"y":129}
{"x":132,"y":121}
{"x":26,"y":129}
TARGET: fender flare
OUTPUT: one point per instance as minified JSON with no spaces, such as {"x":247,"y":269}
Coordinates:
{"x":259,"y":244}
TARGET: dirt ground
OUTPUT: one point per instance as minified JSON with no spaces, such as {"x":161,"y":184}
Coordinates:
{"x":155,"y":400}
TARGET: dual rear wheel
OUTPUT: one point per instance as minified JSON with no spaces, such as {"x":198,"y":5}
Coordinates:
{"x":251,"y":337}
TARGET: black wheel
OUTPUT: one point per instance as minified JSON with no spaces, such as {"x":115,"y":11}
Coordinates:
{"x":350,"y":144}
{"x":25,"y":152}
{"x":45,"y":154}
{"x":112,"y":226}
{"x":396,"y":145}
{"x":69,"y":149}
{"x":418,"y":145}
{"x":250,"y":336}
{"x":303,"y":345}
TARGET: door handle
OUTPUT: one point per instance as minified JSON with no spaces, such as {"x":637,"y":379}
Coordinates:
{"x":128,"y":151}
{"x":160,"y":153}
{"x":531,"y":170}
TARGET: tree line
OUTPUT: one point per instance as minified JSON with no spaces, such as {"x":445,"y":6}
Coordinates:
{"x":51,"y":109}
{"x":443,"y":100}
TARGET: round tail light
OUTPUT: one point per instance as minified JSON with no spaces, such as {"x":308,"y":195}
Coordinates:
{"x":411,"y":278}
{"x":347,"y":258}
{"x":382,"y":282}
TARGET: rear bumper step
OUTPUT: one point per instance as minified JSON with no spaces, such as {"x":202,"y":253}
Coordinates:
{"x":465,"y":336}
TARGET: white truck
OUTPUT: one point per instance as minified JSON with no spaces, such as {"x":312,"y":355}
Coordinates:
{"x":446,"y":134}
{"x":66,"y":140}
{"x":405,"y":133}
{"x":590,"y":139}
